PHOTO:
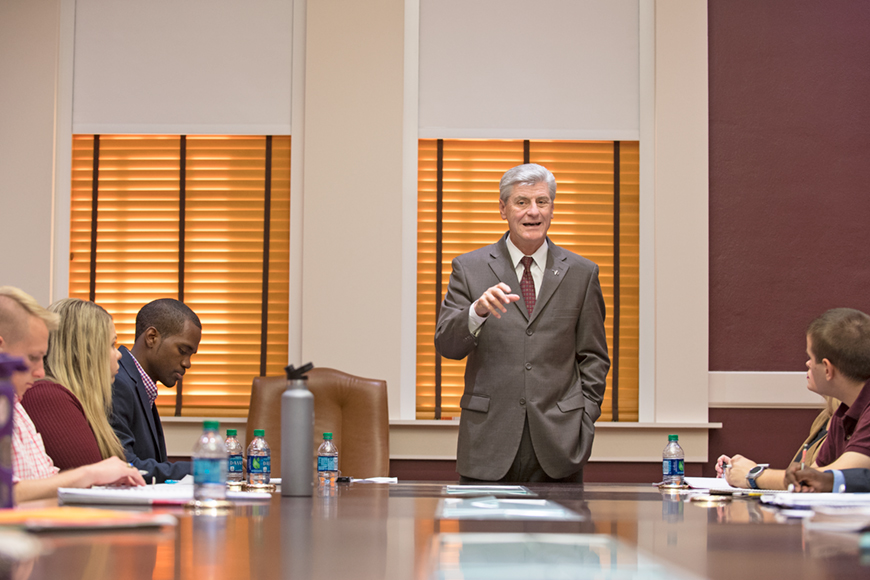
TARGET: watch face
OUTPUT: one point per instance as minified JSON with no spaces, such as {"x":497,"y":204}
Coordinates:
{"x":756,"y":471}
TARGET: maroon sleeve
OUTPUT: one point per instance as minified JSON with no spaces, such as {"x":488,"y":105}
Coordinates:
{"x":859,"y":442}
{"x":60,"y":420}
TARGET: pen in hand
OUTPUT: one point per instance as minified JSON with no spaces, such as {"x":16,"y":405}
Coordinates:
{"x":804,"y":456}
{"x":722,"y":464}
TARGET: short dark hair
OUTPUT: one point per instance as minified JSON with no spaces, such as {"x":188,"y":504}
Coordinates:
{"x":842,"y":335}
{"x":167,"y":315}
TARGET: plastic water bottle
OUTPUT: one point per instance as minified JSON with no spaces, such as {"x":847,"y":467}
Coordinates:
{"x":673,"y":468}
{"x":210,"y":464}
{"x":259,"y":459}
{"x":237,"y":462}
{"x":327,"y":462}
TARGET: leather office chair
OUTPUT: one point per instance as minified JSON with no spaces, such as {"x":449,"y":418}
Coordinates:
{"x":354,"y":409}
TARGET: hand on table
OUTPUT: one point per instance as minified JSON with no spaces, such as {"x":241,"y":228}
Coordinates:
{"x":113,"y":471}
{"x":809,"y":479}
{"x":740,"y":466}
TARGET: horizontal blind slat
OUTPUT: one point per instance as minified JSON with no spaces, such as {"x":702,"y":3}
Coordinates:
{"x":137,"y":250}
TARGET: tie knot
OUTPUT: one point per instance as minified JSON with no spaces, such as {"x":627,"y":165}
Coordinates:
{"x":527,"y":261}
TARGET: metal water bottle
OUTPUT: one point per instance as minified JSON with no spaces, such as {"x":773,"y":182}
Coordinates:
{"x":297,"y":434}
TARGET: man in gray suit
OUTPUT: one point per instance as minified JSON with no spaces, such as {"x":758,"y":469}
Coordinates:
{"x":529,"y":316}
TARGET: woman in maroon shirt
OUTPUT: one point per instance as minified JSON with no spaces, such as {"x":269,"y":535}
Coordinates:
{"x":71,"y":406}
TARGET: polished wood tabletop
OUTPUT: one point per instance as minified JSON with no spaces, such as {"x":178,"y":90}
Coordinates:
{"x":375,"y":531}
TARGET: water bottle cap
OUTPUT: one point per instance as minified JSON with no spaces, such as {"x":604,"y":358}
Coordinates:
{"x":259,"y":432}
{"x":327,"y":436}
{"x":211,"y":425}
{"x":231,"y":432}
{"x":673,"y":437}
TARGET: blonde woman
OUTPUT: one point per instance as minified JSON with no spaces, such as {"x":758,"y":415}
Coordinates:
{"x":71,"y":406}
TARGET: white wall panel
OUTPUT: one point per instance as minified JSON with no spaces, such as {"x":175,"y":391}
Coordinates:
{"x":28,"y":73}
{"x":562,"y":69}
{"x":197,"y":66}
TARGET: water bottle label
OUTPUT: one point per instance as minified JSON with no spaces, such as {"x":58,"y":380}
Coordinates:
{"x":236,"y":464}
{"x":259,"y":464}
{"x":207,"y":470}
{"x":327,"y":463}
{"x":673,"y":467}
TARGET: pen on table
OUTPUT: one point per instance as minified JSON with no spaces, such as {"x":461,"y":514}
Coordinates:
{"x":804,"y":456}
{"x":141,"y":471}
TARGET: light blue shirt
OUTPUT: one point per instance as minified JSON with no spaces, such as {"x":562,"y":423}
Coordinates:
{"x":839,"y":481}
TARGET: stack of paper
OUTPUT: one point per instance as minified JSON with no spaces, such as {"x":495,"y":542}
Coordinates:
{"x":162,"y":494}
{"x":816,"y":500}
{"x":720,"y":484}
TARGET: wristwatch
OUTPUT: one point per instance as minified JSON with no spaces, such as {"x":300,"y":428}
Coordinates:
{"x":754,"y":473}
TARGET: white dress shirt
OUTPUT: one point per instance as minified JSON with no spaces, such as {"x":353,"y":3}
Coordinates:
{"x":539,"y":261}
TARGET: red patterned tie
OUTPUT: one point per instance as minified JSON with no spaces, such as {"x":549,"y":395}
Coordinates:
{"x":527,"y":285}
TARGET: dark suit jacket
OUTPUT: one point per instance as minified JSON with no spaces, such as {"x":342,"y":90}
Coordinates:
{"x":857,"y":480}
{"x":551,"y":366}
{"x":138,"y":426}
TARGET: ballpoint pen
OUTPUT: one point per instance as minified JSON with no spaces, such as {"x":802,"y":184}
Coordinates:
{"x":804,"y":456}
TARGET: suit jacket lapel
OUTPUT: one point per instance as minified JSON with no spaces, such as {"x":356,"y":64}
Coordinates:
{"x":500,"y":262}
{"x":554,"y":273}
{"x":133,"y":372}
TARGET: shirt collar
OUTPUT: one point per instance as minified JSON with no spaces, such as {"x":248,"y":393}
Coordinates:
{"x":150,"y":387}
{"x":861,"y":403}
{"x":540,"y":255}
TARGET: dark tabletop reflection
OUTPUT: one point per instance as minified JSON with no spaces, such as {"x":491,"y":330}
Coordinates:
{"x":375,"y":531}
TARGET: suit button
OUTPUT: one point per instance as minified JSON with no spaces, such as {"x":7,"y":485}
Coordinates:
{"x":529,"y":332}
{"x":522,"y":401}
{"x":528,"y":366}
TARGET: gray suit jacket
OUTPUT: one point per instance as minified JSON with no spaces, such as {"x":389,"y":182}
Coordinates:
{"x":551,"y":366}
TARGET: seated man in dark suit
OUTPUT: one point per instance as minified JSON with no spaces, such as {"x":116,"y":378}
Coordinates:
{"x":167,"y":335}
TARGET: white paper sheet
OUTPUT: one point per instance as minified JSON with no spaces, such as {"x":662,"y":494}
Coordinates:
{"x":720,"y":484}
{"x":160,"y":494}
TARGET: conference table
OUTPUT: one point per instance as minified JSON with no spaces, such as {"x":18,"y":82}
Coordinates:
{"x":374,"y":531}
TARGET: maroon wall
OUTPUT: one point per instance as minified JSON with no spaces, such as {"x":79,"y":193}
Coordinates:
{"x":789,"y":174}
{"x":789,"y":194}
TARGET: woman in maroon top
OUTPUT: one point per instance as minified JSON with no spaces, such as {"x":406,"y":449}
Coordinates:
{"x":71,"y":406}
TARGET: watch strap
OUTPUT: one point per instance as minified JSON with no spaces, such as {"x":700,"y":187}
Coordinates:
{"x":754,"y":473}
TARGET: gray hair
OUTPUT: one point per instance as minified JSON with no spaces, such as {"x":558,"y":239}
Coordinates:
{"x":527,"y":174}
